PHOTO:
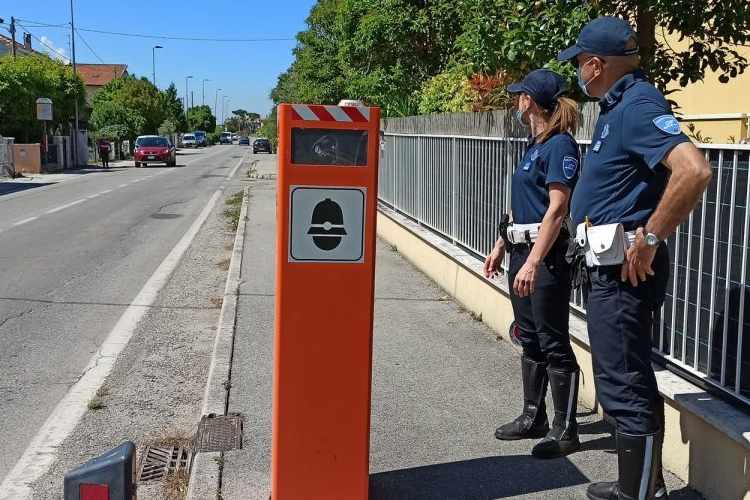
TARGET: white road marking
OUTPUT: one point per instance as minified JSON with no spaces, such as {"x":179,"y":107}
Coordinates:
{"x":92,"y":196}
{"x":63,"y":207}
{"x":24,"y":221}
{"x":122,"y":185}
{"x":42,"y":450}
{"x":105,"y":191}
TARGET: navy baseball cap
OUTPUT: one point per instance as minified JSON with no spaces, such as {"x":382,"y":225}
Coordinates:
{"x":543,"y":85}
{"x":603,"y":36}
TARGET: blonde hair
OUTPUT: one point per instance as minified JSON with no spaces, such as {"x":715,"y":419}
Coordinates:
{"x":564,"y":118}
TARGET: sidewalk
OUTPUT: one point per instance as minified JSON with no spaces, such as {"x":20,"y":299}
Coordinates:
{"x":441,"y":384}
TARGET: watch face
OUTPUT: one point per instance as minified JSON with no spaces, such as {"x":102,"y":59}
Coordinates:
{"x":652,"y":240}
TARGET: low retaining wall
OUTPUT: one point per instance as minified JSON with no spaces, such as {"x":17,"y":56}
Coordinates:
{"x":707,"y":441}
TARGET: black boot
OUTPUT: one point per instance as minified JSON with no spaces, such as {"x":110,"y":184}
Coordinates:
{"x":532,"y":423}
{"x":636,"y":465}
{"x":563,"y":438}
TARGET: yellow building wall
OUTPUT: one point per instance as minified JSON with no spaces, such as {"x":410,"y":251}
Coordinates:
{"x":711,"y":97}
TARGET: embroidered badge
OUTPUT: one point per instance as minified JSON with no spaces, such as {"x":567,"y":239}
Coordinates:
{"x":527,"y":165}
{"x":570,"y":165}
{"x":668,"y":124}
{"x":605,"y":131}
{"x":596,"y":147}
{"x":534,"y":155}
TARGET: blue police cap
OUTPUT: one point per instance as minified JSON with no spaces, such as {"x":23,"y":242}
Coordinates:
{"x":543,"y":85}
{"x":603,"y":36}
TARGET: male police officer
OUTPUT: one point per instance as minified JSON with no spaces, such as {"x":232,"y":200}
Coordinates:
{"x":641,"y":176}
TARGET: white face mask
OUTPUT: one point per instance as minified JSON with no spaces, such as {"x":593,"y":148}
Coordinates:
{"x":585,"y":84}
{"x":520,"y":115}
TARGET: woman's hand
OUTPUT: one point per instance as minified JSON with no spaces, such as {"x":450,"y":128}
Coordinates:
{"x":493,"y":262}
{"x":525,"y":281}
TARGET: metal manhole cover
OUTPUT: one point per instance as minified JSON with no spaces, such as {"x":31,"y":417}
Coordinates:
{"x":159,"y":461}
{"x":219,"y":433}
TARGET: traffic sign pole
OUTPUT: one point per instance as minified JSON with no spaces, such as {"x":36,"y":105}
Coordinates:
{"x":325,"y":273}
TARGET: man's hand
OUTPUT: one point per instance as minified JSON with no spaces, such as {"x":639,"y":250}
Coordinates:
{"x":638,"y":259}
{"x":525,"y":280}
{"x":493,"y":262}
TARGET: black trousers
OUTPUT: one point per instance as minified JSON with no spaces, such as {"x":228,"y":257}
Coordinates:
{"x":543,"y":316}
{"x":620,"y":320}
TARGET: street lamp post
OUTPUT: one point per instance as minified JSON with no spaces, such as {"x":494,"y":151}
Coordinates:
{"x":153,"y":61}
{"x":203,"y":93}
{"x":216,"y":104}
{"x":223,"y":104}
{"x":187,"y":78}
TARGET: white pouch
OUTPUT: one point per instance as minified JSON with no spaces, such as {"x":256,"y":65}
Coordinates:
{"x":606,"y":245}
{"x":517,"y":233}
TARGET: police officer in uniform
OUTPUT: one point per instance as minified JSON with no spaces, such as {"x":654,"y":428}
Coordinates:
{"x":643,"y":176}
{"x":539,"y":274}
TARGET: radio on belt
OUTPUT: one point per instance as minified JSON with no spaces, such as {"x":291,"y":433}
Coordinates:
{"x":325,"y":273}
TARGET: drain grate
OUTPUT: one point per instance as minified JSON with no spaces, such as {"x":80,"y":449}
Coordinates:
{"x":219,"y":433}
{"x":160,"y":461}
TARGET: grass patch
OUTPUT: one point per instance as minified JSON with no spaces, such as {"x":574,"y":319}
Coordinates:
{"x":96,"y":403}
{"x":232,"y":212}
{"x":175,"y":486}
{"x":223,"y":264}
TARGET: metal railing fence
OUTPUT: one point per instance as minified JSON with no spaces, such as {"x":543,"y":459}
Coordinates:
{"x":458,"y":187}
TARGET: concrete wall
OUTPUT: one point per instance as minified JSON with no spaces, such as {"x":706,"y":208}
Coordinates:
{"x":706,"y":439}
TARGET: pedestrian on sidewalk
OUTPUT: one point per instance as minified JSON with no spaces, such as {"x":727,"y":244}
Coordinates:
{"x":104,"y":149}
{"x":539,"y":275}
{"x":642,"y":178}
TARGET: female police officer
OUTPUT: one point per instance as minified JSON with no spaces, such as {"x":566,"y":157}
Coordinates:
{"x":539,"y":275}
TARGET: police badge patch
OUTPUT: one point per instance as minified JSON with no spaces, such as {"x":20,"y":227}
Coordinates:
{"x":605,"y":131}
{"x":668,"y":124}
{"x":570,"y":165}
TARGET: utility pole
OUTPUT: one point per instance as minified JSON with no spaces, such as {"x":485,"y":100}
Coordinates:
{"x":153,"y":61}
{"x":203,"y":96}
{"x":73,"y":39}
{"x":216,"y":104}
{"x":192,"y":101}
{"x":13,"y":35}
{"x":186,"y":99}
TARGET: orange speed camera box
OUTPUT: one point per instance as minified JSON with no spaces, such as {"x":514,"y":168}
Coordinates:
{"x":325,"y":272}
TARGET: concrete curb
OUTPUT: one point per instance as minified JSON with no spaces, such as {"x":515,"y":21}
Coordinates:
{"x":205,"y":473}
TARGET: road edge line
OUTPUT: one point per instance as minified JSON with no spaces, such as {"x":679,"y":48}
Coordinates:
{"x":205,"y":473}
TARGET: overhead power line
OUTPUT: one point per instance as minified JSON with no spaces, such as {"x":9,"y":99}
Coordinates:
{"x":89,"y":47}
{"x":53,"y":49}
{"x":156,"y":36}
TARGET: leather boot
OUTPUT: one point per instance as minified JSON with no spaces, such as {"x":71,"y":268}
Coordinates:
{"x":563,"y":438}
{"x":532,"y":423}
{"x":636,"y":465}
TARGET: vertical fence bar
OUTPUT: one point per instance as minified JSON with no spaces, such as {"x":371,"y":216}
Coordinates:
{"x":743,"y":281}
{"x":453,"y":190}
{"x":699,"y":296}
{"x":712,"y":307}
{"x":687,"y":286}
{"x":674,"y":290}
{"x":728,"y":280}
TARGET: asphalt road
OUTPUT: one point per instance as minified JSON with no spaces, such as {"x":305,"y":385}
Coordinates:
{"x":73,"y":256}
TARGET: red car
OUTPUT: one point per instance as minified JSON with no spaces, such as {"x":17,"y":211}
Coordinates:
{"x":154,"y":149}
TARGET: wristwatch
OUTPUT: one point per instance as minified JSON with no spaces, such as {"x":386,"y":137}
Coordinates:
{"x":652,"y":240}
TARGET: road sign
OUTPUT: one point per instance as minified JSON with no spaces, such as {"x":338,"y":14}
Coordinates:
{"x":327,"y":224}
{"x":44,"y":109}
{"x":328,"y":158}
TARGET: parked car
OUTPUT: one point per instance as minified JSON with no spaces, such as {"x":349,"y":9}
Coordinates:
{"x":201,"y":139}
{"x":244,"y":141}
{"x":225,"y":138}
{"x":154,"y":149}
{"x":262,"y":144}
{"x":188,"y":141}
{"x":235,"y":137}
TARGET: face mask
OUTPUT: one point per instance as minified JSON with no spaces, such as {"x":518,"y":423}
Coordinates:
{"x":584,"y":84}
{"x":519,"y":117}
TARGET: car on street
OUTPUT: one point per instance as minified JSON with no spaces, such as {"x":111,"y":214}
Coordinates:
{"x":154,"y":149}
{"x":262,"y":144}
{"x":244,"y":141}
{"x":188,"y":141}
{"x":225,"y":138}
{"x":201,"y":138}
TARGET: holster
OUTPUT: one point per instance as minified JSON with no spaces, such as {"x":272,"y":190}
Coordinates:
{"x":503,"y":228}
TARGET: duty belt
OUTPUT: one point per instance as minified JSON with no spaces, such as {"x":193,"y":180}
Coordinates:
{"x":519,"y":234}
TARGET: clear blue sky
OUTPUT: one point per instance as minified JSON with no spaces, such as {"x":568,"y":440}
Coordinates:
{"x":245,"y":71}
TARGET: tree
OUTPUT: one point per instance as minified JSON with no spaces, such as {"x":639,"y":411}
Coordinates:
{"x":22,"y":81}
{"x":712,"y":29}
{"x":173,"y":107}
{"x":114,"y":120}
{"x":138,"y":95}
{"x":201,"y":118}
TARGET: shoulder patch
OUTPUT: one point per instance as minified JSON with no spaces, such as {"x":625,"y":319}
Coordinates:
{"x":605,"y":131}
{"x":668,"y":124}
{"x":534,"y":155}
{"x":570,"y":166}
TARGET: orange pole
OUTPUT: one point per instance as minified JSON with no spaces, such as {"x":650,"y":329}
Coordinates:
{"x":324,"y":309}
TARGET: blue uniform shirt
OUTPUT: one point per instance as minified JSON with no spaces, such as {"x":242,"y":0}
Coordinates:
{"x":623,"y":177}
{"x":553,"y":161}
